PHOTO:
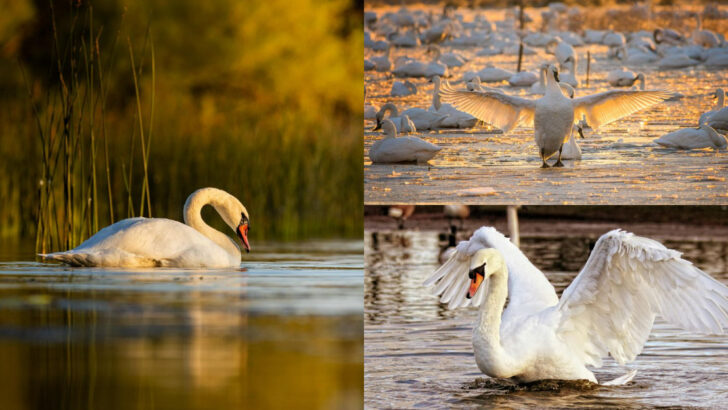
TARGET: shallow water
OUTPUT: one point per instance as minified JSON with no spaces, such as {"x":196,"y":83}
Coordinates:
{"x":620,"y":164}
{"x":419,"y":354}
{"x":284,"y":330}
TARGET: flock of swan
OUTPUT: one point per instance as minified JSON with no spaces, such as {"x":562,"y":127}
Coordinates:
{"x":558,"y":111}
{"x":609,"y":308}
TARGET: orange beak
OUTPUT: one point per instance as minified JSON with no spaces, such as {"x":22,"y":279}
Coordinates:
{"x":474,"y":285}
{"x":242,"y":232}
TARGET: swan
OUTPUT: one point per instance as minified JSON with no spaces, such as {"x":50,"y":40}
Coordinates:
{"x":693,"y":138}
{"x":608,"y":309}
{"x":489,"y":74}
{"x":677,"y":60}
{"x":455,"y":118}
{"x":553,"y":114}
{"x":414,"y":68}
{"x":625,"y":78}
{"x":392,"y":149}
{"x":719,"y":119}
{"x":402,"y":89}
{"x":523,"y":79}
{"x":667,"y":36}
{"x":422,"y":119}
{"x":561,"y":50}
{"x":569,"y":76}
{"x":449,"y":59}
{"x":572,"y":150}
{"x":720,"y":95}
{"x":704,"y":38}
{"x":160,"y":242}
{"x":379,"y":63}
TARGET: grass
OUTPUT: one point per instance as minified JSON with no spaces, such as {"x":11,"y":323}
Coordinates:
{"x":76,"y":143}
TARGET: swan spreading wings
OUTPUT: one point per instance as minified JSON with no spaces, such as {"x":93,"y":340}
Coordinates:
{"x":608,"y":309}
{"x":552,"y":115}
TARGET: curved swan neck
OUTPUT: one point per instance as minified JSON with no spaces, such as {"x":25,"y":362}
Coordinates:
{"x":193,"y":218}
{"x":491,"y":312}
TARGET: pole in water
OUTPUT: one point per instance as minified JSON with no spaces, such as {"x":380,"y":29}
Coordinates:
{"x":512,"y":216}
{"x":520,"y":56}
{"x":588,"y":66}
{"x":520,"y":45}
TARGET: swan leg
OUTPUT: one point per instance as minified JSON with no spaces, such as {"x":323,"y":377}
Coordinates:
{"x":544,"y":164}
{"x":559,"y":163}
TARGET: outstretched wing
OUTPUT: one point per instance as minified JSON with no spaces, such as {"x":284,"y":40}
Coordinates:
{"x":611,"y":305}
{"x":502,"y":110}
{"x":529,"y":290}
{"x":603,"y":108}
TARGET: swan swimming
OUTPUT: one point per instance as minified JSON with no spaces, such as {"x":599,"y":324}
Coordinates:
{"x":159,"y":242}
{"x":553,"y":114}
{"x":608,"y":309}
{"x":393,"y":149}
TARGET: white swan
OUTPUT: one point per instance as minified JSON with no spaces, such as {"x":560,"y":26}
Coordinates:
{"x":455,"y":118}
{"x":155,"y":242}
{"x":693,"y":138}
{"x":414,"y":68}
{"x":422,"y":119}
{"x":720,"y":96}
{"x":402,"y":89}
{"x":625,"y":78}
{"x":523,"y":79}
{"x":489,"y":74}
{"x":392,"y":149}
{"x":553,"y":114}
{"x":719,"y":120}
{"x":609,"y":308}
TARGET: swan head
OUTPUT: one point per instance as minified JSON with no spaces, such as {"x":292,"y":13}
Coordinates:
{"x":236,"y":217}
{"x":380,"y":114}
{"x":483,"y":264}
{"x":389,"y":129}
{"x":553,"y":71}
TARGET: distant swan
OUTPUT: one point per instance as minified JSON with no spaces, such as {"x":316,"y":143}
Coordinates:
{"x":693,"y":138}
{"x":552,"y":115}
{"x":160,"y":242}
{"x":392,"y":149}
{"x":423,"y":119}
{"x":608,"y":309}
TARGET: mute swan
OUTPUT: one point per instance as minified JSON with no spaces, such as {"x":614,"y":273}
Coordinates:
{"x":720,"y":95}
{"x":625,"y":78}
{"x":693,"y":138}
{"x":455,"y":118}
{"x":423,"y":119}
{"x":155,"y":242}
{"x":553,"y":114}
{"x":608,"y":309}
{"x":392,"y":149}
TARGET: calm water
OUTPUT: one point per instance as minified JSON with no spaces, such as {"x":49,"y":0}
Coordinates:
{"x":419,"y":354}
{"x":284,"y":330}
{"x":620,"y":163}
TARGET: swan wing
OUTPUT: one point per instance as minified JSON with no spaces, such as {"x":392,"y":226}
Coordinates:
{"x":611,"y":305}
{"x":502,"y":110}
{"x":529,"y":290}
{"x":603,"y":108}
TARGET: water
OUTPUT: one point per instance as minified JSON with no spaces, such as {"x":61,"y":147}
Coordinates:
{"x":285,"y":330}
{"x":620,"y":163}
{"x":419,"y":354}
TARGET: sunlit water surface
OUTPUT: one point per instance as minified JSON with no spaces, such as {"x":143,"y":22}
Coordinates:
{"x":419,"y":354}
{"x":620,"y":162}
{"x":285,"y":330}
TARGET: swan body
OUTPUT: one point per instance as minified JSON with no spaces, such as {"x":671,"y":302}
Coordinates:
{"x":720,"y":96}
{"x":624,"y":78}
{"x":553,"y":114}
{"x":489,"y":74}
{"x":393,"y":149}
{"x":693,"y":138}
{"x":608,"y":309}
{"x":717,"y":60}
{"x":523,"y":79}
{"x":571,"y":149}
{"x":422,"y":119}
{"x":413,"y":68}
{"x":379,"y":63}
{"x":402,"y":89}
{"x":719,"y":119}
{"x":672,"y":61}
{"x":160,"y":242}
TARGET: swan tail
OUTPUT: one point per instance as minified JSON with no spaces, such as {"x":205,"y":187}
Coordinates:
{"x":105,"y":259}
{"x":69,"y":258}
{"x":621,"y":380}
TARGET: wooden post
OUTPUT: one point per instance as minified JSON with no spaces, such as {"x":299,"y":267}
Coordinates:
{"x":588,"y":66}
{"x":512,"y":216}
{"x":520,"y":45}
{"x":520,"y":56}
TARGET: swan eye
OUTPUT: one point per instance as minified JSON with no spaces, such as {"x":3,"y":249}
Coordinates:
{"x":244,"y":220}
{"x":480,"y":270}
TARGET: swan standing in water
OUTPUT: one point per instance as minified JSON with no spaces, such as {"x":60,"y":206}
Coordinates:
{"x":393,"y":149}
{"x":160,"y":242}
{"x":552,"y":115}
{"x":608,"y":309}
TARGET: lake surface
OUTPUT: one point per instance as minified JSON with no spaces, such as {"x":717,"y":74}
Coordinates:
{"x":419,"y":354}
{"x":285,"y":330}
{"x":620,"y":164}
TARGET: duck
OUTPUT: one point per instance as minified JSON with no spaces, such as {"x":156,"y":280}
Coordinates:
{"x":719,"y":94}
{"x":422,"y":119}
{"x":552,"y":115}
{"x":160,"y":242}
{"x":454,"y":118}
{"x":393,"y":149}
{"x":609,"y":309}
{"x":693,"y":138}
{"x":625,"y":78}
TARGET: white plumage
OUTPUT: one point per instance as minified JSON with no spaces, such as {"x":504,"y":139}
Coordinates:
{"x":393,"y":149}
{"x":609,"y":308}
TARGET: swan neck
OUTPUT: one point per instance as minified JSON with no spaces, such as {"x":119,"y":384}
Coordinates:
{"x":721,"y":99}
{"x":491,"y":312}
{"x":436,"y":94}
{"x":193,"y":218}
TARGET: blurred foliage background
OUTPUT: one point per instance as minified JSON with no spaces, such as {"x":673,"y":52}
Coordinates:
{"x":262,"y":99}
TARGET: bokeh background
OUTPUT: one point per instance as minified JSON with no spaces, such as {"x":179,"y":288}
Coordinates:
{"x":262,"y":99}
